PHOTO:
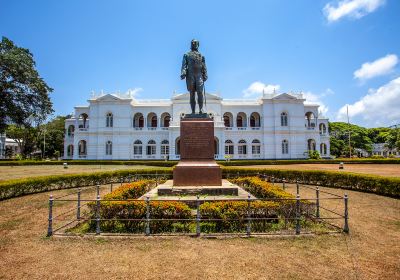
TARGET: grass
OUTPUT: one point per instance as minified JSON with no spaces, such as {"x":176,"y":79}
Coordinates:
{"x":371,"y":251}
{"x":390,"y":170}
{"x":17,"y":172}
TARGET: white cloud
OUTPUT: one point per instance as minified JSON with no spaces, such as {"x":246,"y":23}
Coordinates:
{"x":256,"y":89}
{"x":350,"y":8}
{"x":312,"y":98}
{"x":134,"y":92}
{"x":379,"y":107}
{"x":379,"y":67}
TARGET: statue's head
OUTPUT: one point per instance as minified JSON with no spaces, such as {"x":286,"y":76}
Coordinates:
{"x":194,"y":45}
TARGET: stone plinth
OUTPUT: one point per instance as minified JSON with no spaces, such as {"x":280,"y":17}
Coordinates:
{"x":197,"y":166}
{"x":197,"y":139}
{"x":197,"y":173}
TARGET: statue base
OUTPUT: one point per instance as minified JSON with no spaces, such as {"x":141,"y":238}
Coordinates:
{"x":196,"y":116}
{"x":197,"y":166}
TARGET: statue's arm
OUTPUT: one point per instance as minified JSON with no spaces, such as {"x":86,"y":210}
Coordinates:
{"x":204,"y":71}
{"x":184,"y":67}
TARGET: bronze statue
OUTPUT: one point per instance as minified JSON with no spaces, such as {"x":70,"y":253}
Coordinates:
{"x":195,"y":71}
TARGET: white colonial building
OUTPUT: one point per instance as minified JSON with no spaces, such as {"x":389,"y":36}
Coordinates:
{"x":115,"y":126}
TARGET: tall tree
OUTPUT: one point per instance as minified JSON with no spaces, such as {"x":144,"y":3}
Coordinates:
{"x":24,"y":98}
{"x":53,"y":132}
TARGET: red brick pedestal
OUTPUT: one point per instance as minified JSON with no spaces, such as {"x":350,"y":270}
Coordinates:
{"x":197,"y":166}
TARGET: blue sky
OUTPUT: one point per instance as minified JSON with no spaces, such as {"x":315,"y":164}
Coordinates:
{"x":337,"y":52}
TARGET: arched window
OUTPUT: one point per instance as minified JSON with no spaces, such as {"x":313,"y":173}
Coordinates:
{"x":322,"y":128}
{"x":108,"y":148}
{"x":242,"y":147}
{"x":322,"y":149}
{"x":83,"y":120}
{"x":82,"y":148}
{"x":228,"y":119}
{"x":70,"y":150}
{"x":137,"y":147}
{"x":151,"y":148}
{"x":177,"y":146}
{"x":152,"y":120}
{"x":229,"y":147}
{"x":241,"y":120}
{"x":165,"y":147}
{"x":71,"y":130}
{"x":165,"y":119}
{"x":285,"y":147}
{"x":216,"y":146}
{"x":284,"y":119}
{"x":256,"y":147}
{"x":109,"y":120}
{"x":310,"y":118}
{"x":311,"y":145}
{"x":255,"y":119}
{"x":138,"y":120}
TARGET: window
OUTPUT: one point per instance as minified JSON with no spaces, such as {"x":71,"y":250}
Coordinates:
{"x":165,"y":119}
{"x":70,"y":150}
{"x":284,"y":119}
{"x":285,"y":147}
{"x":109,"y":148}
{"x":241,"y":120}
{"x":71,"y":130}
{"x":151,"y":148}
{"x":228,"y":119}
{"x":256,"y":147}
{"x":242,"y":148}
{"x":165,"y":147}
{"x":322,"y":128}
{"x":322,"y":149}
{"x":82,"y":147}
{"x":137,"y":147}
{"x":255,"y":120}
{"x":109,"y":120}
{"x":229,"y":150}
{"x":152,"y":120}
{"x":311,"y":145}
{"x":138,"y":120}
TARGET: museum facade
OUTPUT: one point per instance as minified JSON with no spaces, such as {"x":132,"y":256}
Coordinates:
{"x":121,"y":127}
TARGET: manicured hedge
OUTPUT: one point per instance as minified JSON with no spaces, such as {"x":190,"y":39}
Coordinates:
{"x":89,"y":162}
{"x":311,"y":161}
{"x":221,"y":162}
{"x":386,"y":186}
{"x":18,"y":187}
{"x":123,"y":210}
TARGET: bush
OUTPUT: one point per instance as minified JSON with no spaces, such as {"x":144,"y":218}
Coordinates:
{"x":314,"y":154}
{"x":89,"y":162}
{"x":19,"y":187}
{"x":311,"y":161}
{"x":129,"y":216}
{"x":260,"y":188}
{"x":386,"y":186}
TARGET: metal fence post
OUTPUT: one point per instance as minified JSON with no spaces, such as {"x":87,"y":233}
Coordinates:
{"x":121,"y":181}
{"x":78,"y":208}
{"x":248,"y":230}
{"x":273,"y":180}
{"x":346,"y":214}
{"x":283,"y":184}
{"x":98,"y":215}
{"x":297,"y":187}
{"x":147,"y":215}
{"x":111,"y":187}
{"x":50,"y":228}
{"x":317,"y":202}
{"x":198,"y":230}
{"x":97,"y":190}
{"x":298,"y":214}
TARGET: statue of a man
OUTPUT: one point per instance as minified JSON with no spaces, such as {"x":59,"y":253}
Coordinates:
{"x":195,"y":71}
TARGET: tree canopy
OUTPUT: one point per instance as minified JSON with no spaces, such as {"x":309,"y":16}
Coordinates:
{"x":24,"y":98}
{"x":360,"y":137}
